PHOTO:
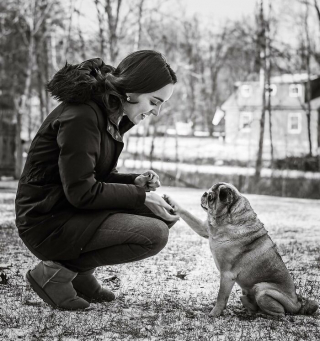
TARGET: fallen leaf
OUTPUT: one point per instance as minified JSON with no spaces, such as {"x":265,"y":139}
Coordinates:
{"x":5,"y":266}
{"x":4,"y":278}
{"x":181,"y":274}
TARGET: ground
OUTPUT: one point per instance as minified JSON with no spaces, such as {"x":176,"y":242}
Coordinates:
{"x":169,"y":296}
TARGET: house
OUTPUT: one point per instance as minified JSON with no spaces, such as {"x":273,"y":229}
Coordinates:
{"x":289,"y":127}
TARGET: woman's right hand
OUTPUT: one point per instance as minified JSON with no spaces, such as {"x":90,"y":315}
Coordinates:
{"x":160,"y":207}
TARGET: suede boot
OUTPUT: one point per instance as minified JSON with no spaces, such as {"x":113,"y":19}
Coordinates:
{"x":90,"y":289}
{"x":53,"y":283}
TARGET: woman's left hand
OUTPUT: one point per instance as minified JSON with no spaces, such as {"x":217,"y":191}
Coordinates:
{"x":149,"y":180}
{"x":160,"y":207}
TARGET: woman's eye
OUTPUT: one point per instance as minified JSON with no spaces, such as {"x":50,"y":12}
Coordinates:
{"x":152,"y":103}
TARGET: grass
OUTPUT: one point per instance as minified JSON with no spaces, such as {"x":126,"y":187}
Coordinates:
{"x":198,"y":150}
{"x":169,"y":296}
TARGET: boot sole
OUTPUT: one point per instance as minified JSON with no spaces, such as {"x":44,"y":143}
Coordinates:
{"x":40,"y":292}
{"x":93,"y":300}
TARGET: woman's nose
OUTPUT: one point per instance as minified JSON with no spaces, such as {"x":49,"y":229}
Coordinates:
{"x":156,"y":111}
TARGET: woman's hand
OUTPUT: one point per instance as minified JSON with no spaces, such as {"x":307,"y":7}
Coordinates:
{"x":174,"y":205}
{"x":160,"y":207}
{"x":149,"y":180}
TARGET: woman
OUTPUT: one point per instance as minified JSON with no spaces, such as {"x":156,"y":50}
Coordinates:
{"x":74,"y":211}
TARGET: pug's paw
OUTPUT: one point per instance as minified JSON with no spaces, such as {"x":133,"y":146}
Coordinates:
{"x":216,"y":312}
{"x":175,"y":206}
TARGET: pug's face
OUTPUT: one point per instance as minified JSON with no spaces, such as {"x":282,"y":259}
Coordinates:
{"x":218,"y":200}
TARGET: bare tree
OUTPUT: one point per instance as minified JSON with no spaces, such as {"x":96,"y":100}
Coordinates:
{"x":27,"y":21}
{"x":262,"y":47}
{"x":101,"y":27}
{"x":113,"y":21}
{"x":268,"y":82}
{"x":190,"y":48}
{"x":218,"y":53}
{"x":82,"y":41}
{"x":308,"y":83}
{"x":30,"y":16}
{"x":137,"y":43}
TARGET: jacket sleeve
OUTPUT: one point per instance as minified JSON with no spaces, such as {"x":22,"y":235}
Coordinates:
{"x":122,"y":178}
{"x":79,"y":140}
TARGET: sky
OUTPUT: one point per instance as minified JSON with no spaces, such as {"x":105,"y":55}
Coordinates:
{"x":212,"y":11}
{"x":221,"y":9}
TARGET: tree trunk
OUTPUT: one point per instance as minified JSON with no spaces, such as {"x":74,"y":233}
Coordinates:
{"x":113,"y":25}
{"x":268,"y":82}
{"x":101,"y":28}
{"x":40,"y":79}
{"x":270,"y":122}
{"x":316,"y":6}
{"x":67,"y":39}
{"x":46,"y":70}
{"x":137,"y":42}
{"x":18,"y":154}
{"x":308,"y":93}
{"x":308,"y":84}
{"x":318,"y":140}
{"x":154,"y":135}
{"x":318,"y":137}
{"x":262,"y":45}
{"x":82,"y":44}
{"x":261,"y":136}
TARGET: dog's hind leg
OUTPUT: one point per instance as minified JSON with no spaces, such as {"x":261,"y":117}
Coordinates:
{"x":269,"y":305}
{"x":274,"y":302}
{"x":249,"y":304}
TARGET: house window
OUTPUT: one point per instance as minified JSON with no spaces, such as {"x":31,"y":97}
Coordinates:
{"x":245,"y":121}
{"x":246,"y":90}
{"x":295,"y":90}
{"x":272,"y":88}
{"x":294,"y":123}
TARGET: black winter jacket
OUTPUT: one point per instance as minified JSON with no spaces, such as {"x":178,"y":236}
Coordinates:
{"x":70,"y":184}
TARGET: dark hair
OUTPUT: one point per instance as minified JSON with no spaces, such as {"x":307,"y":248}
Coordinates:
{"x":142,"y":71}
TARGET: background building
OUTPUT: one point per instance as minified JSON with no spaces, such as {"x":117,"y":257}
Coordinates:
{"x":289,"y":125}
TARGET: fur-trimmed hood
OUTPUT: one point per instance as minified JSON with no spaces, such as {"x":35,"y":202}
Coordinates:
{"x":79,"y":83}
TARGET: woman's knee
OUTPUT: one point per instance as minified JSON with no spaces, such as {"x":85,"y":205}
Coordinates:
{"x":159,"y":234}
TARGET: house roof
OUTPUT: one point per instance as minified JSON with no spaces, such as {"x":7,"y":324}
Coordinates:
{"x":284,"y":78}
{"x":292,"y":78}
{"x":281,"y":99}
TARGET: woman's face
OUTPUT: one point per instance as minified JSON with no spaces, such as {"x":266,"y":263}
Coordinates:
{"x":148,"y":104}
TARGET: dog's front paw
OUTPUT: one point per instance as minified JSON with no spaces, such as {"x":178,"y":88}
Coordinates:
{"x":216,"y":312}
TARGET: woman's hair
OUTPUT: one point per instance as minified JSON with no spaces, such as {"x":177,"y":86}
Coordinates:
{"x":142,"y":71}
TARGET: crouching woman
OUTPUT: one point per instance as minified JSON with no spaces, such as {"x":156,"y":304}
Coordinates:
{"x":74,"y":211}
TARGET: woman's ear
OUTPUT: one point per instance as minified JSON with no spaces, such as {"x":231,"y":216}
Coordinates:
{"x":131,"y":98}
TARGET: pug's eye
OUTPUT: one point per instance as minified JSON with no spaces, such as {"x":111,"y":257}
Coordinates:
{"x":210,"y":197}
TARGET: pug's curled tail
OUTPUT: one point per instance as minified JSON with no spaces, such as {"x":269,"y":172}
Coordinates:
{"x":308,"y":307}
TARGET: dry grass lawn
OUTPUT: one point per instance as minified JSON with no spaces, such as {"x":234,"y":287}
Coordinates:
{"x":169,"y":296}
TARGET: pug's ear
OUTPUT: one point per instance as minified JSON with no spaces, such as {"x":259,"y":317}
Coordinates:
{"x":226,"y":196}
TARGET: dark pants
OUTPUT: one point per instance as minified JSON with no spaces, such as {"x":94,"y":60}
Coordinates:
{"x":122,"y":238}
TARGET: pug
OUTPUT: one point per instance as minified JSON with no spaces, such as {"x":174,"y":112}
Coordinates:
{"x":244,"y":254}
